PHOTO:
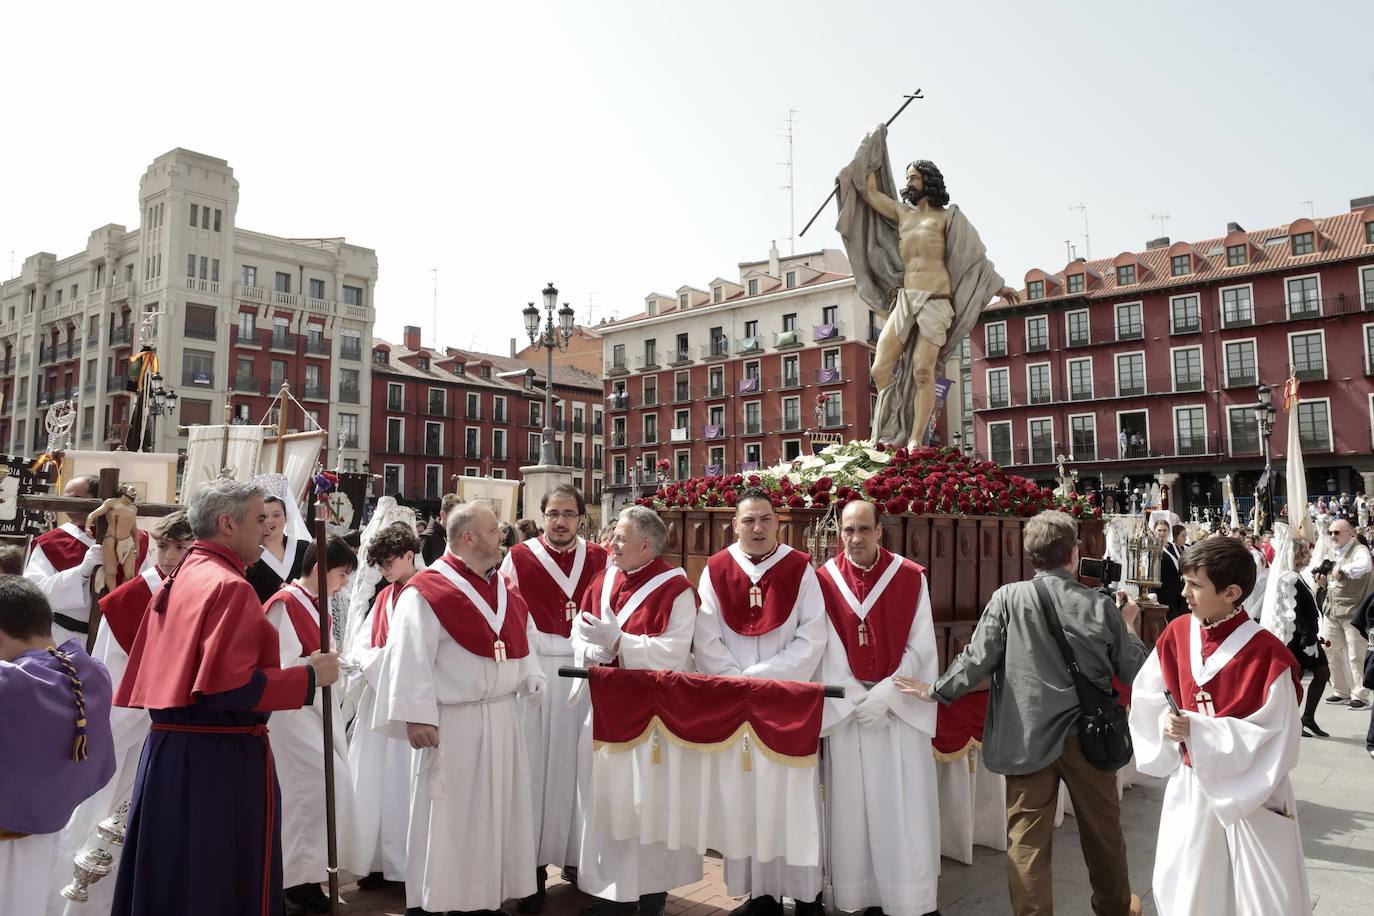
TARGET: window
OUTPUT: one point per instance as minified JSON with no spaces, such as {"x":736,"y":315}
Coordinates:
{"x":190,"y":268}
{"x":473,"y":408}
{"x":995,"y":334}
{"x":472,"y":442}
{"x":395,"y":396}
{"x":751,"y":328}
{"x":830,"y":315}
{"x":1236,"y":255}
{"x":1080,"y":379}
{"x":283,"y":282}
{"x":316,"y":289}
{"x":195,"y":215}
{"x":753,"y":454}
{"x":1367,"y":287}
{"x":716,"y":383}
{"x":791,"y":414}
{"x":1369,"y":349}
{"x":999,"y":442}
{"x":834,"y":410}
{"x":754,"y":287}
{"x":1188,"y":369}
{"x":348,"y":425}
{"x":1369,"y":233}
{"x":1078,"y":329}
{"x":1236,"y":307}
{"x":1304,"y":297}
{"x":350,"y":345}
{"x":278,"y":373}
{"x":1190,"y":430}
{"x":751,"y":370}
{"x":1130,"y":374}
{"x":1180,"y":265}
{"x":618,"y":356}
{"x":717,"y":294}
{"x":353,"y":295}
{"x":791,"y":372}
{"x":1077,"y":282}
{"x":498,"y":408}
{"x":1125,"y":275}
{"x":433,"y":487}
{"x":218,"y":215}
{"x":1240,"y":363}
{"x":313,"y":388}
{"x":1303,"y":243}
{"x":753,"y":419}
{"x":193,"y":412}
{"x":682,"y":419}
{"x":203,"y":264}
{"x":715,"y":416}
{"x":348,"y":385}
{"x":1185,"y":314}
{"x":1035,"y":289}
{"x":1129,"y":323}
{"x":1041,"y":441}
{"x":249,"y":275}
{"x":791,"y":449}
{"x":438,"y":402}
{"x":1314,"y":425}
{"x":392,"y":477}
{"x":204,"y":217}
{"x":999,"y":392}
{"x":720,"y":345}
{"x":650,"y":428}
{"x":1083,"y":437}
{"x":395,"y":435}
{"x":434,"y":438}
{"x":1243,"y":430}
{"x":1038,"y":382}
{"x":684,"y":300}
{"x":716,"y":458}
{"x":791,"y":279}
{"x":1037,"y":334}
{"x":789,"y":322}
{"x":214,"y":270}
{"x":650,"y":353}
{"x":198,"y":368}
{"x":650,"y":390}
{"x":1308,"y":355}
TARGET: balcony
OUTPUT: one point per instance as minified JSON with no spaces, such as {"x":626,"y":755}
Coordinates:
{"x":617,"y":367}
{"x":1313,"y":443}
{"x":749,"y":385}
{"x":1192,"y":324}
{"x":790,"y":424}
{"x":200,"y":330}
{"x":1040,"y":395}
{"x":315,"y":393}
{"x":832,"y":421}
{"x":713,"y":431}
{"x":1188,"y":383}
{"x":351,"y":349}
{"x":248,"y":384}
{"x":351,"y":441}
{"x":618,"y":400}
{"x":785,"y":381}
{"x":997,"y":400}
{"x":397,"y":405}
{"x":823,"y":332}
{"x":88,"y":385}
{"x":874,"y":334}
{"x":500,"y":455}
{"x":315,"y":347}
{"x":753,"y":428}
{"x":1079,"y":337}
{"x":681,"y":358}
{"x":475,"y":413}
{"x":785,"y":340}
{"x":7,"y":366}
{"x":92,"y":340}
{"x":348,"y":394}
{"x":1244,"y":379}
{"x":1312,"y":374}
{"x":748,"y":345}
{"x":1130,"y":331}
{"x":472,"y":454}
{"x":394,"y":445}
{"x":829,"y":375}
{"x":433,"y":449}
{"x":1080,"y":394}
{"x":618,"y":439}
{"x":596,"y":464}
{"x":280,"y":341}
{"x":247,"y":338}
{"x":1191,"y":447}
{"x":436,"y":408}
{"x":997,"y":350}
{"x":650,"y":397}
{"x":25,"y":359}
{"x":121,"y":335}
{"x":682,"y":393}
{"x":1245,"y":445}
{"x":1037,"y":344}
{"x":713,"y":390}
{"x":202,"y":286}
{"x":647,"y":363}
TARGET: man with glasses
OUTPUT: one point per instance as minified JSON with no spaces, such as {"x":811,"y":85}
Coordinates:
{"x":1346,"y":588}
{"x":551,"y":572}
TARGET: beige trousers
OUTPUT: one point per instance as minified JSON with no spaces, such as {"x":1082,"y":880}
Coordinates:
{"x":1346,"y":655}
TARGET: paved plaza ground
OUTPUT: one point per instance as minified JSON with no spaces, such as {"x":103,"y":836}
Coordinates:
{"x":1335,"y":786}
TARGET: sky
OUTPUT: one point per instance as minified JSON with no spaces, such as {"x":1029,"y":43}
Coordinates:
{"x":618,"y":149}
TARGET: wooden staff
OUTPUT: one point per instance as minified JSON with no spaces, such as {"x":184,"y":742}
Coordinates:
{"x":327,"y":701}
{"x":109,"y":483}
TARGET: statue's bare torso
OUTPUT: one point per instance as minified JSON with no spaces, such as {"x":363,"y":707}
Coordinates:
{"x":921,"y":233}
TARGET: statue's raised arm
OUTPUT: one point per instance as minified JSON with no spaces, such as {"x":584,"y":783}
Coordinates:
{"x":920,"y":263}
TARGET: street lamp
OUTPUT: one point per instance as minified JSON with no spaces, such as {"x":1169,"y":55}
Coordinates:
{"x":1264,"y":419}
{"x":163,"y":403}
{"x":549,"y":337}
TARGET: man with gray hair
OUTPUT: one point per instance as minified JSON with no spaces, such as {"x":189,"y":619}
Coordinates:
{"x":638,"y":612}
{"x":204,"y":835}
{"x":1031,"y":734}
{"x":459,"y":651}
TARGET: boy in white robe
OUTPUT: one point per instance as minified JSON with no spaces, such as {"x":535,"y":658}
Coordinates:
{"x":762,"y":615}
{"x":459,"y":653}
{"x":298,"y":736}
{"x":1229,"y":843}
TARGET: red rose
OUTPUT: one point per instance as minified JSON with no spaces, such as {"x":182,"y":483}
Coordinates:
{"x":731,"y":498}
{"x":824,"y":484}
{"x":896,"y":506}
{"x":755,"y":480}
{"x":796,"y":501}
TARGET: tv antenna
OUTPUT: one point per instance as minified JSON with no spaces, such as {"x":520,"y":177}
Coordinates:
{"x":790,"y":187}
{"x":591,"y":309}
{"x":435,"y":321}
{"x":1311,"y":212}
{"x":1082,"y":208}
{"x":1069,"y":250}
{"x":1161,"y":218}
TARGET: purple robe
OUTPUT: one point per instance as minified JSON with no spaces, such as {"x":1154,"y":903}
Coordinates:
{"x":42,"y":784}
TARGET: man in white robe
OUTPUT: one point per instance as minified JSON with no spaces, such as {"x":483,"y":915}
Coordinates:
{"x":882,"y":812}
{"x":1229,"y":843}
{"x":639,"y":613}
{"x":458,"y":653}
{"x":551,"y":573}
{"x":762,"y":615}
{"x":298,"y":737}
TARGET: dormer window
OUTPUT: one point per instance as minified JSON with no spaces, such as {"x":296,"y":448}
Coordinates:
{"x":651,"y":309}
{"x":1035,"y":289}
{"x":381,"y":357}
{"x":422,"y":363}
{"x":1369,"y":233}
{"x":791,"y":279}
{"x":1236,"y":255}
{"x":1125,"y":275}
{"x":460,"y":369}
{"x":1303,"y":243}
{"x":1181,"y":265}
{"x":754,"y":287}
{"x":717,"y":294}
{"x":684,"y":300}
{"x":486,"y":372}
{"x":1077,"y":282}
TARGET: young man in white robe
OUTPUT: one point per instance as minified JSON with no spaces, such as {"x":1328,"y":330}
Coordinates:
{"x":551,"y":573}
{"x":1229,"y":843}
{"x":762,"y":615}
{"x":638,"y":613}
{"x":121,"y":614}
{"x":459,"y":653}
{"x":379,"y":765}
{"x":882,"y":812}
{"x":298,"y":736}
{"x":64,"y":559}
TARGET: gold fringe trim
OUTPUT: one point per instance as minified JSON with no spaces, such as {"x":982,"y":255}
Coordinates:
{"x":745,"y":732}
{"x":972,"y":745}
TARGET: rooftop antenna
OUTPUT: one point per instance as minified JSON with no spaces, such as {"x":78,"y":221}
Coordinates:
{"x":434,"y":325}
{"x":789,"y":187}
{"x":1161,"y":218}
{"x":1082,"y":208}
{"x":591,"y":309}
{"x":1311,"y":212}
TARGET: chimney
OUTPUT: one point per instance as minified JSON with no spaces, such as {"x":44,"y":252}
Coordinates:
{"x":513,"y":351}
{"x":410,"y":336}
{"x":1161,"y":242}
{"x":773,"y":269}
{"x":1359,"y":203}
{"x":1234,"y":227}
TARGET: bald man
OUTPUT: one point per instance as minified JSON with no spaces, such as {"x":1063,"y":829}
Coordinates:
{"x":1346,"y":588}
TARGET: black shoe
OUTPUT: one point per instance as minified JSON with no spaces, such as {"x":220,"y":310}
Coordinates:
{"x":809,"y":907}
{"x":609,"y":908}
{"x":534,"y":903}
{"x":653,"y":904}
{"x":1310,"y":729}
{"x":305,"y":898}
{"x":569,"y":873}
{"x":375,"y":882}
{"x":1334,"y":699}
{"x":293,"y":907}
{"x":1358,"y":704}
{"x":759,"y":906}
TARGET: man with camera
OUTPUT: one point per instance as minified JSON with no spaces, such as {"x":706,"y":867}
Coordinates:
{"x":1346,"y":581}
{"x":1032,"y":730}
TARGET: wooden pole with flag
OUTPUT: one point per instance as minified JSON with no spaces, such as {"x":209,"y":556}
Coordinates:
{"x":326,"y":696}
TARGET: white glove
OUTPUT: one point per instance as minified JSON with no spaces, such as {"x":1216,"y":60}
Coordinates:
{"x":600,"y":632}
{"x":532,"y":689}
{"x":872,"y":712}
{"x":95,"y":556}
{"x":596,"y":655}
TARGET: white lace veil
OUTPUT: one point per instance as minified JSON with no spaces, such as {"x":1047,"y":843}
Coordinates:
{"x":1279,"y":613}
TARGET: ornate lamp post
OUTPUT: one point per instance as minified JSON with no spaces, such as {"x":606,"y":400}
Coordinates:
{"x":548,"y":337}
{"x":164,"y":402}
{"x":1264,"y":419}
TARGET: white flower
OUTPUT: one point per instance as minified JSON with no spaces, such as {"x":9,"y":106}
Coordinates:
{"x":877,"y":456}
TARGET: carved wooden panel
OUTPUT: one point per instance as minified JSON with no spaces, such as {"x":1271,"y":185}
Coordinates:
{"x":918,"y":539}
{"x":989,"y":559}
{"x":940,"y":570}
{"x":966,"y":605}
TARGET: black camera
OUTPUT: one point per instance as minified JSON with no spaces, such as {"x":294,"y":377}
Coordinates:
{"x":1324,"y":569}
{"x":1105,"y":570}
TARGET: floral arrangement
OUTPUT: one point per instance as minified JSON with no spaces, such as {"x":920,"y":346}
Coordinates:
{"x":923,"y":481}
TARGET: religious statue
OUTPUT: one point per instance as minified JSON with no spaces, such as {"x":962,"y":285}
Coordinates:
{"x":918,"y":262}
{"x":120,"y":546}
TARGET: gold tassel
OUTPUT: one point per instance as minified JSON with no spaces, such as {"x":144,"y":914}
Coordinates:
{"x":79,"y":749}
{"x":972,"y":764}
{"x":748,"y":758}
{"x":657,"y":755}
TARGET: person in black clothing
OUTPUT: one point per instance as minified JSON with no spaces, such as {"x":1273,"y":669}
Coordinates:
{"x":435,"y":537}
{"x":1170,"y":593}
{"x":1306,"y":643}
{"x":282,"y":552}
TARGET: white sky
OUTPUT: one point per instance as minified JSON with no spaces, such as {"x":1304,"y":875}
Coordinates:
{"x":619,"y":148}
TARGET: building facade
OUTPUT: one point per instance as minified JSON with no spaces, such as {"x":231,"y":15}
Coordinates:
{"x":231,"y":313}
{"x":441,"y":413}
{"x":734,"y":376}
{"x":1145,"y":367}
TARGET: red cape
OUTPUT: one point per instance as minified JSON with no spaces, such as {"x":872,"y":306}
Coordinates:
{"x":542,"y":595}
{"x":462,"y":621}
{"x":381,"y":613}
{"x":888,"y":622}
{"x":652,"y":616}
{"x":64,"y":551}
{"x":123,"y":609}
{"x":304,"y":620}
{"x":779,"y":587}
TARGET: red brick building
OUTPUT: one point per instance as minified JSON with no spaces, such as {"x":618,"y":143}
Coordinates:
{"x":441,"y":413}
{"x":1145,"y":365}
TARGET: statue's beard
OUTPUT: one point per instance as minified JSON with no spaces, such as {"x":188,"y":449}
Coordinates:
{"x":912,"y":195}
